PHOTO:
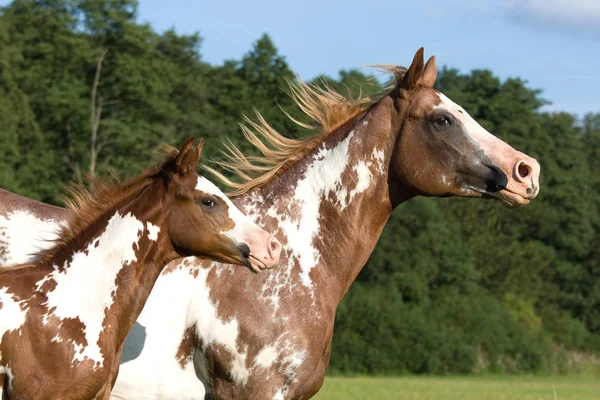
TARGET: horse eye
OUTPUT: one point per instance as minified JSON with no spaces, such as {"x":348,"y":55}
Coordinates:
{"x":207,"y":202}
{"x":443,"y":120}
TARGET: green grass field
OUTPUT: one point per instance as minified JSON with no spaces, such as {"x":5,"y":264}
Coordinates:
{"x":461,"y":388}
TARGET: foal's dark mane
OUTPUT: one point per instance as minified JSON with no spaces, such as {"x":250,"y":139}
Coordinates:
{"x":85,"y":205}
{"x":326,"y":110}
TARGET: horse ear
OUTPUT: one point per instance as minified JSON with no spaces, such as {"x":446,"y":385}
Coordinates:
{"x":414,"y":73}
{"x":186,"y":158}
{"x":430,"y":73}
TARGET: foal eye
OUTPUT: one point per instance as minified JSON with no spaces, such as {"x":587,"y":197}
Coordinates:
{"x":208,"y":202}
{"x":442,"y":120}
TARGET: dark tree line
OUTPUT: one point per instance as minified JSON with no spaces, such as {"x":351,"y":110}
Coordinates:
{"x":454,"y":286}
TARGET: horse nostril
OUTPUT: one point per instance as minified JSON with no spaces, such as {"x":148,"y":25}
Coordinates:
{"x":526,"y":176}
{"x":523,"y":170}
{"x":275,"y":247}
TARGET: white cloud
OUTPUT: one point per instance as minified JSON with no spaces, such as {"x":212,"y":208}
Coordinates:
{"x":582,"y":16}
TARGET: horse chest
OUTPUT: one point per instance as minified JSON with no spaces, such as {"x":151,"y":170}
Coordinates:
{"x":284,"y":358}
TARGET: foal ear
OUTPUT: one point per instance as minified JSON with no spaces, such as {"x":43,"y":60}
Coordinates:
{"x":414,"y":73}
{"x":430,"y":73}
{"x":187,"y":158}
{"x":195,"y":158}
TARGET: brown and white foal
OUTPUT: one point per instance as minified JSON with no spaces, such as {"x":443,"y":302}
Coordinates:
{"x":65,"y":315}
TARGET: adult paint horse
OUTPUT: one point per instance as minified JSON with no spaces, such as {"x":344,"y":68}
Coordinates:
{"x":328,"y":199}
{"x":65,"y":315}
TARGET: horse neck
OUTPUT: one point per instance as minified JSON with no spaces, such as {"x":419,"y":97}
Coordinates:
{"x":112,"y":274}
{"x":331,"y":207}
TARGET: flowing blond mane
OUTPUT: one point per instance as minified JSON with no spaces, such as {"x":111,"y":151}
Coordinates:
{"x":326,"y":109}
{"x":84,"y":206}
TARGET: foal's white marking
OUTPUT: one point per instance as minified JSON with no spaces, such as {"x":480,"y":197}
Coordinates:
{"x":12,"y":316}
{"x":23,"y":235}
{"x":9,"y":376}
{"x":206,"y":186}
{"x":243,"y":227}
{"x":93,"y":271}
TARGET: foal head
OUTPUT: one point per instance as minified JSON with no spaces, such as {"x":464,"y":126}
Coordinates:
{"x":203,"y":222}
{"x":442,"y":151}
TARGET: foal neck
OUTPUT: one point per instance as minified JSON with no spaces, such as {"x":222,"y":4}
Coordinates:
{"x":104,"y":276}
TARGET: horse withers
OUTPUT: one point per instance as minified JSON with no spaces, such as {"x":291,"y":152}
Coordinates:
{"x":65,"y":314}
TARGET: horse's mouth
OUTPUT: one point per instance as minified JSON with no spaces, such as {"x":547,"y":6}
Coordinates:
{"x":256,"y":265}
{"x":508,"y":198}
{"x":511,"y":199}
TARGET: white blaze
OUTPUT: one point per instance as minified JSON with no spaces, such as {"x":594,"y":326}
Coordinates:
{"x":243,"y":226}
{"x":481,"y":138}
{"x":474,"y":131}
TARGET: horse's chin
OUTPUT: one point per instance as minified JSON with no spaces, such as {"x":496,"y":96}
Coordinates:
{"x":511,"y":200}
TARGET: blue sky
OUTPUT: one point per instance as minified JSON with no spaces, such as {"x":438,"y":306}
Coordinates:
{"x":553,"y":44}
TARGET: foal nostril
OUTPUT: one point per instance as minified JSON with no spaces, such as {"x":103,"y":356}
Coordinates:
{"x":244,"y":249}
{"x":523,"y":170}
{"x":275,"y":248}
